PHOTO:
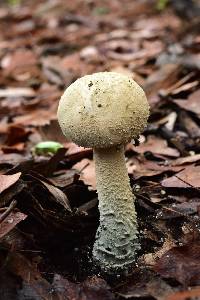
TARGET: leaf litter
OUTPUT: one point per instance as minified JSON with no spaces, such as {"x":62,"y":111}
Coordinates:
{"x":48,"y":203}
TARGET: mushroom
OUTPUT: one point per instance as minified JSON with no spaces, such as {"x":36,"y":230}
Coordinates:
{"x":105,"y":111}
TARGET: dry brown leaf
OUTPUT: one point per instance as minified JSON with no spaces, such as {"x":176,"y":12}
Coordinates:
{"x":74,"y":64}
{"x":20,"y":59}
{"x":14,"y":92}
{"x":150,"y":259}
{"x":160,"y":80}
{"x":156,"y":146}
{"x":185,"y":295}
{"x":37,"y":118}
{"x":189,"y":177}
{"x":186,"y":160}
{"x":12,"y":158}
{"x":192,"y":103}
{"x":148,"y":168}
{"x":93,"y":288}
{"x":64,"y":178}
{"x":86,"y":167}
{"x":7,"y":180}
{"x":59,"y":196}
{"x":73,"y":148}
{"x":33,"y":285}
{"x":10,"y":222}
{"x":181,"y":263}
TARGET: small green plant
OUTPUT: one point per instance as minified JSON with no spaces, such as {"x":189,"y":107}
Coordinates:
{"x":46,"y":148}
{"x":161,"y":4}
{"x":14,"y":2}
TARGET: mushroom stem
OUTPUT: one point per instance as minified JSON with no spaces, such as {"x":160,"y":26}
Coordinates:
{"x":116,"y":239}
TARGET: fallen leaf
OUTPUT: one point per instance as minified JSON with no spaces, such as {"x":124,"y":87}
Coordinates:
{"x":32,"y":285}
{"x":59,"y":196}
{"x":159,"y":289}
{"x":74,"y":64}
{"x":92,"y":288}
{"x":146,"y":168}
{"x":52,"y":132}
{"x":144,"y":286}
{"x":17,"y":92}
{"x":63,"y":178}
{"x":73,"y":148}
{"x":7,"y":180}
{"x":177,"y":85}
{"x":86,"y":167}
{"x":10,"y":222}
{"x":168,"y":121}
{"x":161,"y":79}
{"x":185,"y":295}
{"x":37,"y":119}
{"x":192,"y":103}
{"x":150,"y":259}
{"x":156,"y":146}
{"x":10,"y":193}
{"x":16,"y":134}
{"x":189,"y":177}
{"x":185,"y":87}
{"x":20,"y":59}
{"x":186,"y":160}
{"x":16,"y":148}
{"x":190,"y":125}
{"x":13,"y":159}
{"x":181,"y":263}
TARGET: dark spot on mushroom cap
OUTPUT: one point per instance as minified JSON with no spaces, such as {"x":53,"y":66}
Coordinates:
{"x":99,"y":105}
{"x":90,"y":84}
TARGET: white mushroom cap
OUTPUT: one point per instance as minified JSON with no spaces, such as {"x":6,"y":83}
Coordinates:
{"x":102,"y":110}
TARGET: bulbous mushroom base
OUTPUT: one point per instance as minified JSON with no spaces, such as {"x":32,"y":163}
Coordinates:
{"x":116,"y":245}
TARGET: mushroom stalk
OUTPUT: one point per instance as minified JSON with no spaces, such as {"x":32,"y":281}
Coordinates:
{"x":116,"y":238}
{"x":105,"y":111}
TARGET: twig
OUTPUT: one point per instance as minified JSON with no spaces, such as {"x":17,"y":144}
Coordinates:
{"x":8,"y":210}
{"x":190,"y":185}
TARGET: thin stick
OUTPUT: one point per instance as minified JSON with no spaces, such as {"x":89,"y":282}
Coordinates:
{"x":8,"y":210}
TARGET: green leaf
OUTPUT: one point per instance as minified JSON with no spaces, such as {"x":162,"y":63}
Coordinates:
{"x":47,"y":147}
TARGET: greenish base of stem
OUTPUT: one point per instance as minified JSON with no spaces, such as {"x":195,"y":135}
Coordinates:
{"x":115,"y":261}
{"x":116,"y":239}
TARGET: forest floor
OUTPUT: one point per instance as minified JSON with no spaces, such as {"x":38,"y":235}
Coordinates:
{"x":48,"y":202}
